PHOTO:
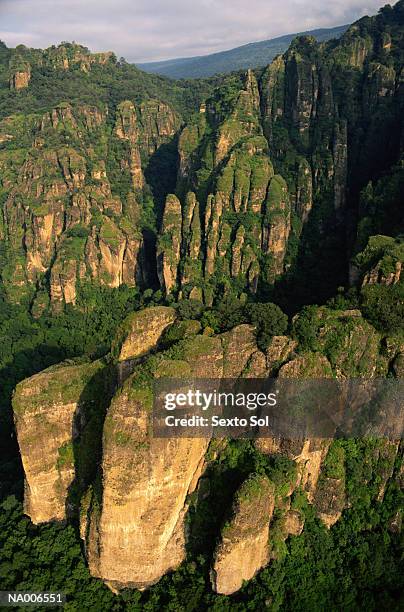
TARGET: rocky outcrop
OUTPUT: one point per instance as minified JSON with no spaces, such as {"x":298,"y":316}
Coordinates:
{"x":64,"y":276}
{"x":355,"y":350}
{"x":20,"y":79}
{"x":297,"y":97}
{"x":54,"y":412}
{"x":140,"y":332}
{"x":308,"y":454}
{"x":67,"y":56}
{"x":239,"y":346}
{"x":279,"y":350}
{"x":169,"y":245}
{"x":145,"y":128}
{"x":137,"y":534}
{"x":143,"y":489}
{"x":246,"y":188}
{"x":380,"y":263}
{"x":63,"y":217}
{"x":243,"y":549}
{"x":302,"y":86}
{"x":146,"y":480}
{"x":297,"y":105}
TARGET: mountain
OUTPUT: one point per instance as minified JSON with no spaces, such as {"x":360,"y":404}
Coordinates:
{"x":245,"y":227}
{"x":252,"y":55}
{"x":120,"y":182}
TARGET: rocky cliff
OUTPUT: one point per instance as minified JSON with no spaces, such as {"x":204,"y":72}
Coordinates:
{"x":244,"y":548}
{"x":273,"y":160}
{"x":142,"y":490}
{"x":269,"y":169}
{"x":67,"y":56}
{"x":73,"y":209}
{"x":58,"y":417}
{"x":282,"y":177}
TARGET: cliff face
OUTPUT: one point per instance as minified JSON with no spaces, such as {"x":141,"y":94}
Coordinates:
{"x":269,"y":168}
{"x":19,"y":79}
{"x":270,"y":160}
{"x":57,"y":416}
{"x":133,"y":513}
{"x":244,"y":548}
{"x":137,"y":533}
{"x":233,"y":218}
{"x":72,"y":209}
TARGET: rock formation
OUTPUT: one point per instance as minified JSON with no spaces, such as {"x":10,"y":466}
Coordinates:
{"x":140,"y":333}
{"x":142,"y":491}
{"x":243,"y":548}
{"x":265,"y":156}
{"x":62,"y":219}
{"x":279,"y":169}
{"x":57,"y":416}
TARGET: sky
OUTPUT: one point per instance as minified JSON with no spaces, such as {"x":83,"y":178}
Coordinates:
{"x":153,"y":30}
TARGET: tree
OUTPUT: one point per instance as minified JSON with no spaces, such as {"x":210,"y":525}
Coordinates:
{"x":269,"y":321}
{"x":189,"y":309}
{"x":383,"y":306}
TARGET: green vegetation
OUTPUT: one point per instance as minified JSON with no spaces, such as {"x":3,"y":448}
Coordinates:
{"x":269,"y":320}
{"x":109,"y":84}
{"x":384,"y":307}
{"x":252,"y":55}
{"x":66,"y":455}
{"x":357,"y":565}
{"x":305,"y":156}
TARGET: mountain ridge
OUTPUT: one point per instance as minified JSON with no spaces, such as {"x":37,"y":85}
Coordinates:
{"x":250,"y":55}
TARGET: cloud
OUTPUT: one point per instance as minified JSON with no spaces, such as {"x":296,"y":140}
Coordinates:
{"x":148,"y":30}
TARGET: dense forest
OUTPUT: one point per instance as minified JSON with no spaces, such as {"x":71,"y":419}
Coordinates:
{"x":271,"y":198}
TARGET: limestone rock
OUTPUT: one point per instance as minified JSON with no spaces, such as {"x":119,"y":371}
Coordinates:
{"x":169,"y":244}
{"x":51,"y":411}
{"x":137,"y":535}
{"x":243,"y":549}
{"x":141,"y":331}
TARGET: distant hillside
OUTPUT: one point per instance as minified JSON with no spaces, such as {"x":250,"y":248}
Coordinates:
{"x":247,"y":56}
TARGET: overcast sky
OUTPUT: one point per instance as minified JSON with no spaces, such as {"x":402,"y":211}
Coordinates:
{"x":148,"y":30}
